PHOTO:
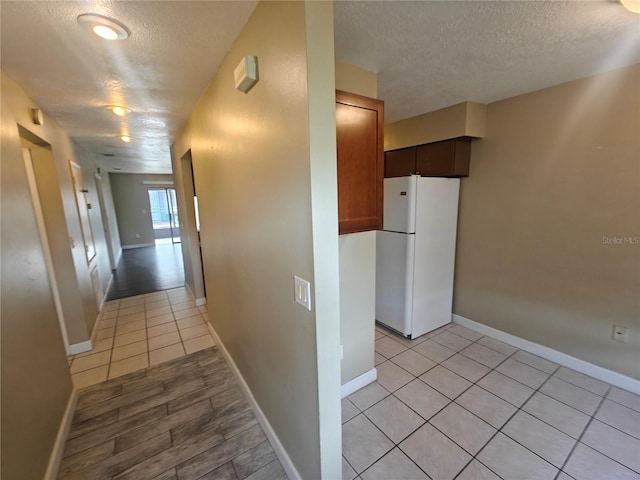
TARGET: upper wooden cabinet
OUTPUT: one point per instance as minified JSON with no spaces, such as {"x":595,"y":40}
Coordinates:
{"x":359,"y":131}
{"x":400,"y":163}
{"x":449,"y":158}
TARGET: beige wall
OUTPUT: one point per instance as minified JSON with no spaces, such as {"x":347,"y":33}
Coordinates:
{"x":463,"y":119}
{"x":555,"y":176}
{"x":58,"y":241}
{"x":357,"y":262}
{"x":36,"y":384}
{"x":266,"y":186}
{"x":354,"y":79}
{"x":131,"y":201}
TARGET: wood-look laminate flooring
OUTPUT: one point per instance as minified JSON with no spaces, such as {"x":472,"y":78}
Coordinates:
{"x":183,"y":419}
{"x":147,"y":269}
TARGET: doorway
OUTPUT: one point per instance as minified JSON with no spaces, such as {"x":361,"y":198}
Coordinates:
{"x":57,"y":245}
{"x":105,"y":221}
{"x":164,"y":215}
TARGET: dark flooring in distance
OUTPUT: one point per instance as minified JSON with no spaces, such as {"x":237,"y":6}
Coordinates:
{"x":146,"y":270}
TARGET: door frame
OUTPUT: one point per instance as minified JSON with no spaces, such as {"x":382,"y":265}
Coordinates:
{"x":105,"y":221}
{"x":44,"y":239}
{"x":172,"y":202}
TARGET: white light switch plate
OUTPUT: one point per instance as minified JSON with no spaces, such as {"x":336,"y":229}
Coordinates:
{"x":302,"y":292}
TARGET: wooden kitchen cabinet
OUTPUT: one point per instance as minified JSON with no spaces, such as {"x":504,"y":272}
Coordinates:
{"x":359,"y":134}
{"x":449,"y":158}
{"x":400,"y":163}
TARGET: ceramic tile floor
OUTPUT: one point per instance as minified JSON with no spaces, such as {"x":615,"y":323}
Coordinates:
{"x":139,"y":332}
{"x":454,"y":404}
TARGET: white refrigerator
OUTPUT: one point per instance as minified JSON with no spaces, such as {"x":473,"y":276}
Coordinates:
{"x":415,"y":254}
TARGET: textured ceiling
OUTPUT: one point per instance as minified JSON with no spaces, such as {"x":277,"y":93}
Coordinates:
{"x":160,"y":72}
{"x":428,"y":55}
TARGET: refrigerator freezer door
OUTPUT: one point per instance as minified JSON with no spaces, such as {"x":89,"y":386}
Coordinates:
{"x":400,"y":204}
{"x":436,"y":224}
{"x":394,"y":280}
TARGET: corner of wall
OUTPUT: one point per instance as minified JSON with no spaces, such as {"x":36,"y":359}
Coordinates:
{"x":350,"y":78}
{"x":476,"y":119}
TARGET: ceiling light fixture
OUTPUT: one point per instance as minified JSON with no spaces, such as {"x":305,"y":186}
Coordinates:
{"x":631,"y":5}
{"x":104,"y":27}
{"x":119,"y":110}
{"x":125,"y":138}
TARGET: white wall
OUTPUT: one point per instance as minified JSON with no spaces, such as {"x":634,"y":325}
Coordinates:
{"x":357,"y":303}
{"x":357,"y":263}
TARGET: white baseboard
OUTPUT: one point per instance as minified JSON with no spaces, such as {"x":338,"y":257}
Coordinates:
{"x":138,"y":245}
{"x":199,"y":301}
{"x":613,"y":378}
{"x":61,"y":438}
{"x":358,"y":382}
{"x":81,"y":347}
{"x":106,"y":291}
{"x":278,"y":448}
{"x":188,"y":288}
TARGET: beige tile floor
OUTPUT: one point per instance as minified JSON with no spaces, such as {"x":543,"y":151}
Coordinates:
{"x":454,"y":404}
{"x":139,"y":332}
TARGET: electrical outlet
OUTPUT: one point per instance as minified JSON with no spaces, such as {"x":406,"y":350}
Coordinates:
{"x":302,"y":292}
{"x":620,"y":333}
{"x":137,"y":235}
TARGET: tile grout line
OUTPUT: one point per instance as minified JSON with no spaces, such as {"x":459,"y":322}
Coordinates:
{"x":584,"y":430}
{"x":498,"y":430}
{"x":116,"y":319}
{"x":549,"y":375}
{"x":518,"y":409}
{"x":591,"y":419}
{"x":146,"y":331}
{"x":450,"y":401}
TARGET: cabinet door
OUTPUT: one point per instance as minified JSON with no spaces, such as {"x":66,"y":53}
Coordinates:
{"x":435,"y":159}
{"x":400,"y":163}
{"x":449,"y":158}
{"x":359,"y":130}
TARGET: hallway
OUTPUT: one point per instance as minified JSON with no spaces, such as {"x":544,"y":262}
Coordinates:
{"x":157,"y":399}
{"x":137,"y":332}
{"x":186,"y":418}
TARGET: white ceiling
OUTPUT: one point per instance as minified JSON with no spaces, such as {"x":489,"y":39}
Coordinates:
{"x":428,"y":55}
{"x":160,"y":71}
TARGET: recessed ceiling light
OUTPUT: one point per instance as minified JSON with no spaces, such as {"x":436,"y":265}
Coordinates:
{"x":119,"y":110}
{"x":125,"y":138}
{"x":631,"y":5}
{"x":104,"y":27}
